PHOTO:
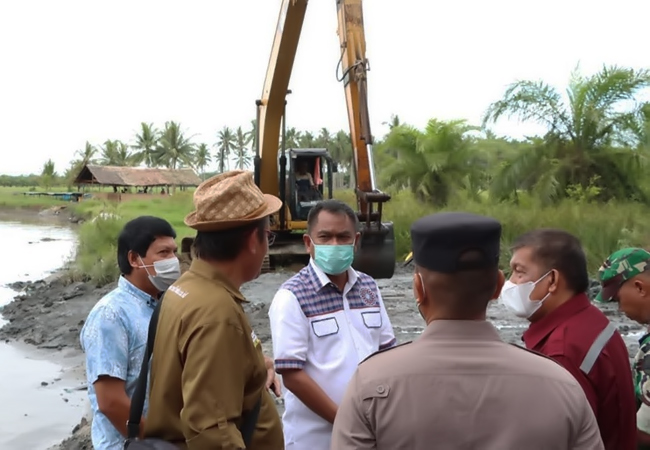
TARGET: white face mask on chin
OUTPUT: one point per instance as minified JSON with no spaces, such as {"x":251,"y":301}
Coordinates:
{"x":517,"y":299}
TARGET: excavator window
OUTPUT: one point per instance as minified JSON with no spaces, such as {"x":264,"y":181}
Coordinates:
{"x":307,"y":178}
{"x":304,"y":177}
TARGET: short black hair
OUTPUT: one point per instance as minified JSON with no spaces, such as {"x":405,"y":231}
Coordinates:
{"x":137,"y":235}
{"x":332,"y":206}
{"x":465,"y":293}
{"x":557,"y":249}
{"x":227,"y":244}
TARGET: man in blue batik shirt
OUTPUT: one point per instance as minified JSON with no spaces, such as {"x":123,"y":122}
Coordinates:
{"x":114,"y":336}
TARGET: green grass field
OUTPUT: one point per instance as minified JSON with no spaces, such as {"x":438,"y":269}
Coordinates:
{"x":602,"y":228}
{"x":11,"y":197}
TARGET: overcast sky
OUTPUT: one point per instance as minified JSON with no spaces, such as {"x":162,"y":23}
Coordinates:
{"x":72,"y":71}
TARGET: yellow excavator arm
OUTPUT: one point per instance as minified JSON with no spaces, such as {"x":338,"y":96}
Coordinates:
{"x":271,"y":106}
{"x":376,"y":255}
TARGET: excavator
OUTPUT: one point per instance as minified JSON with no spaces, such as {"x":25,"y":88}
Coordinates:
{"x":297,"y":176}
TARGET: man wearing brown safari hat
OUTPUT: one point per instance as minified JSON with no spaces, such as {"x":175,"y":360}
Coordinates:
{"x":625,"y":278}
{"x":208,"y":373}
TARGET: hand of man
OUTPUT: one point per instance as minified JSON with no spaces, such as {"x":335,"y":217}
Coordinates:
{"x":272,"y":382}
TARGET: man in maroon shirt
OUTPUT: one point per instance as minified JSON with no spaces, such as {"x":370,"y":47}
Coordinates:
{"x":547,"y":286}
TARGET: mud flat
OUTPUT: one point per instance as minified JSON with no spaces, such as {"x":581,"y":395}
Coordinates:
{"x":50,"y":314}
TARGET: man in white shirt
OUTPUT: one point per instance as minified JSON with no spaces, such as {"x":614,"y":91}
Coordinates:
{"x":324,"y":321}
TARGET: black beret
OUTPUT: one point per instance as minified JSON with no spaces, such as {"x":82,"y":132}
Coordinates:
{"x":440,"y":240}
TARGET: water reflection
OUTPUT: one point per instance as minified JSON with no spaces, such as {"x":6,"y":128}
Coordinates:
{"x":33,"y":415}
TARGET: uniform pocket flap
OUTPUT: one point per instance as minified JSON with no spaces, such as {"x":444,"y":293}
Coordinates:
{"x":372,"y":319}
{"x":325,"y":327}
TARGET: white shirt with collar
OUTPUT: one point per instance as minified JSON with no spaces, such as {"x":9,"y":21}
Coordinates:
{"x":327,"y":333}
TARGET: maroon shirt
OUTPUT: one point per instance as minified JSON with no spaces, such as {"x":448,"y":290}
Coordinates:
{"x":580,"y":338}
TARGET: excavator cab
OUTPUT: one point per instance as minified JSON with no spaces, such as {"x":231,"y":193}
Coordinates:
{"x":308,"y":170}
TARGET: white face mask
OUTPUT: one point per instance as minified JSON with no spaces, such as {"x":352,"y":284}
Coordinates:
{"x":517,"y":299}
{"x":167,"y":272}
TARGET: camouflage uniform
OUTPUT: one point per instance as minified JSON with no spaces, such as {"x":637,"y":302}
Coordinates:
{"x":618,"y":268}
{"x":642,"y":371}
{"x":621,"y":266}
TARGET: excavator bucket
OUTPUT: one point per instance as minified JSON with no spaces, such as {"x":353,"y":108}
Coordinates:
{"x":376,"y":254}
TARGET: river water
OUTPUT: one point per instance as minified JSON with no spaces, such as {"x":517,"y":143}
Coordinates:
{"x":34,"y":415}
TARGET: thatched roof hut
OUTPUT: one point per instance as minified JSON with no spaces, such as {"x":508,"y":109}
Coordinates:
{"x":136,"y":176}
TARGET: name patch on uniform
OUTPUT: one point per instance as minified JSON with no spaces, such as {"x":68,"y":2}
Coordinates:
{"x":256,"y":341}
{"x":368,"y":297}
{"x":178,"y":291}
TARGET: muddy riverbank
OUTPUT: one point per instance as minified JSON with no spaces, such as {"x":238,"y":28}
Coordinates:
{"x":49,"y":315}
{"x":40,"y":402}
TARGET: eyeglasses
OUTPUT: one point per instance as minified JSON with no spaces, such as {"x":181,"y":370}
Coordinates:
{"x":270,"y":235}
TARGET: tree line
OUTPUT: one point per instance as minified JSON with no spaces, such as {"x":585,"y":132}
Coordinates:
{"x":596,"y":146}
{"x":171,"y":147}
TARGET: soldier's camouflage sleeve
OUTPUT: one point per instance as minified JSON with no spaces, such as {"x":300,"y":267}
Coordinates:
{"x":642,"y":384}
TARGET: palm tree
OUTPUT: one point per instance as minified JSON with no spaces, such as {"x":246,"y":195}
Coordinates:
{"x":116,"y":153}
{"x":241,"y":151}
{"x":125,"y":156}
{"x":225,"y":146}
{"x":342,"y":153}
{"x":71,"y":173}
{"x":174,"y":149}
{"x":87,"y":155}
{"x":292,"y":138}
{"x":393,"y":122}
{"x":436,"y":163}
{"x":146,"y":142}
{"x":642,"y":126}
{"x":588,"y":138}
{"x":48,"y":174}
{"x":324,"y":139}
{"x":202,"y":159}
{"x":307,"y":140}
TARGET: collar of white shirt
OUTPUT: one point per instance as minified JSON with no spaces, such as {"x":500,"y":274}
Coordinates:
{"x":324,"y":280}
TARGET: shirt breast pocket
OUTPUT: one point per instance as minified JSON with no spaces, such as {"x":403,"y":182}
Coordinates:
{"x":325,"y":327}
{"x":372,"y":319}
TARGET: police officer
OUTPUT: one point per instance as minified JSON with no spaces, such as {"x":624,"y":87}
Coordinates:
{"x":459,"y":385}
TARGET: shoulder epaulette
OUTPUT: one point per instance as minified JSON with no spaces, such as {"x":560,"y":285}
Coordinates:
{"x":534,"y":352}
{"x":384,"y":350}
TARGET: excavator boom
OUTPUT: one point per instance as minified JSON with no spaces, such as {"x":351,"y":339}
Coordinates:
{"x":271,"y":106}
{"x":354,"y":67}
{"x":376,"y":254}
{"x":378,"y":243}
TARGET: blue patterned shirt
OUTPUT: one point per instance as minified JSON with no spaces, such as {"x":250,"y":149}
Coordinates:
{"x":114,"y":339}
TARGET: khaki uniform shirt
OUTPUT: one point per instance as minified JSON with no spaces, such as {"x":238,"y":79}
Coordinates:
{"x":460,"y":387}
{"x":208,"y":368}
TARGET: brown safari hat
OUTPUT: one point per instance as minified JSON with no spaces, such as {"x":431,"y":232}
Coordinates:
{"x":229,"y":200}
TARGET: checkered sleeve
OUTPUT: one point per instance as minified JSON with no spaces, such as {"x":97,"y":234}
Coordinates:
{"x":289,"y":331}
{"x":387,"y":335}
